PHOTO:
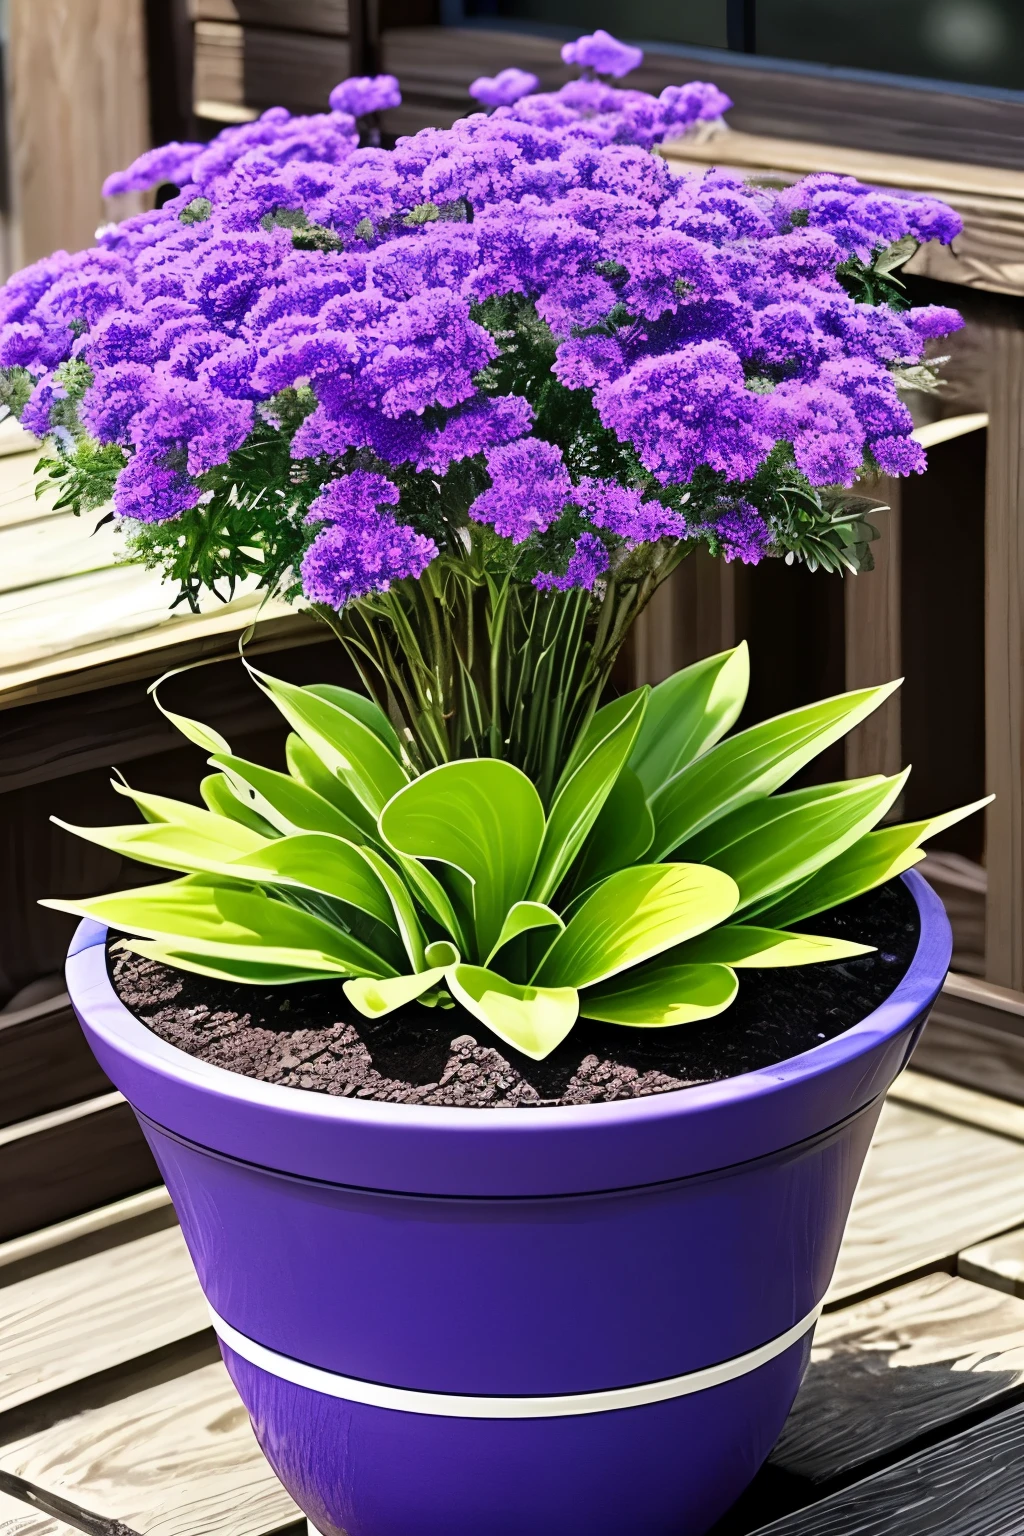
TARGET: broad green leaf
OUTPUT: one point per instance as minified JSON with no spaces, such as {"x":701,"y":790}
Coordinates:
{"x":304,"y":765}
{"x":316,"y":861}
{"x":753,"y":764}
{"x":257,"y":965}
{"x":343,"y":744}
{"x":433,"y":898}
{"x":161,"y":808}
{"x":578,"y":801}
{"x":404,"y":909}
{"x":600,"y":724}
{"x":219,"y":798}
{"x":743,"y":945}
{"x":213,"y":919}
{"x":621,"y":835}
{"x":481,"y":817}
{"x":168,"y":846}
{"x":441,"y":953}
{"x":522,"y":918}
{"x":688,"y":713}
{"x":193,"y":730}
{"x":375,"y":998}
{"x":533,"y":1019}
{"x":288,"y":805}
{"x":770,"y":844}
{"x":634,"y":915}
{"x":364,"y":709}
{"x":877,"y":857}
{"x":661,"y":994}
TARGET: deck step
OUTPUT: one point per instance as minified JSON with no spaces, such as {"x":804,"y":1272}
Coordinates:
{"x":887,"y":1372}
{"x":931,"y":1187}
{"x":969,"y":1485}
{"x":175,"y":1459}
{"x":98,"y":1312}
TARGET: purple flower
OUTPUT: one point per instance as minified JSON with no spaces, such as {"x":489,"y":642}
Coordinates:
{"x":603,"y":53}
{"x":503,"y":89}
{"x":150,"y":491}
{"x":622,"y":510}
{"x":742,"y":533}
{"x":170,"y":162}
{"x":685,"y":409}
{"x":529,"y":487}
{"x":899,"y":455}
{"x":362,"y":95}
{"x":934,"y":320}
{"x":363,"y":549}
{"x":588,"y":561}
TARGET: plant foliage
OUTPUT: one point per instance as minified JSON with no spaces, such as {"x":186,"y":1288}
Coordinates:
{"x":669,"y":858}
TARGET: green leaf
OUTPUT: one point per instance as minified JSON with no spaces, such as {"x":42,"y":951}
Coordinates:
{"x":533,"y":1019}
{"x":218,"y":797}
{"x":753,"y":764}
{"x":770,"y":844}
{"x":317,"y":861}
{"x":634,"y":915}
{"x":287,"y":804}
{"x":343,"y":744}
{"x":621,"y":835}
{"x":404,"y":909}
{"x":524,"y":917}
{"x":603,"y":720}
{"x":688,"y":713}
{"x":170,"y":846}
{"x":364,"y":709}
{"x":480,"y":817}
{"x":877,"y":857}
{"x":744,"y":946}
{"x":433,"y":898}
{"x":257,"y":965}
{"x":660,"y":994}
{"x":193,"y":730}
{"x":161,"y":808}
{"x":373,"y":998}
{"x":304,"y":765}
{"x":581,"y":795}
{"x":218,"y":921}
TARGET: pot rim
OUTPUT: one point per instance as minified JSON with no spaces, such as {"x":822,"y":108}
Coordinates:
{"x":92,"y":991}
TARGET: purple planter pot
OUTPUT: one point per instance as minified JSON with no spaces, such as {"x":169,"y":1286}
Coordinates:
{"x":561,"y":1322}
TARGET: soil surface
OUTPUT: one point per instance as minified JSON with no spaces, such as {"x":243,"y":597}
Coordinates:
{"x":308,"y":1036}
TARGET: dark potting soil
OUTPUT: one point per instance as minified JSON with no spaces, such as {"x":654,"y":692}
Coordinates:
{"x":308,"y":1035}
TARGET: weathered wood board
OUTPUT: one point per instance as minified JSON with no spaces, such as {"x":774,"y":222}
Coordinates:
{"x":931,"y":1186}
{"x":177,"y":1459}
{"x":84,"y":1317}
{"x":969,"y":1485}
{"x":887,"y":1371}
{"x":999,"y":1263}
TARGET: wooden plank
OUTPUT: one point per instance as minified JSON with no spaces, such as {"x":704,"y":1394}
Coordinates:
{"x":999,"y":1263}
{"x":326,"y":16}
{"x":1004,"y":662}
{"x":91,"y":1232}
{"x":254,"y":67}
{"x":64,"y":1164}
{"x":874,"y":640}
{"x":969,"y":1485}
{"x":931,"y":1186}
{"x":176,"y":1459}
{"x":980,"y":1055}
{"x":955,"y":1102}
{"x":95,"y":1313}
{"x":890,"y":1370}
{"x":45,"y":1063}
{"x":436,"y":65}
{"x":75,"y":74}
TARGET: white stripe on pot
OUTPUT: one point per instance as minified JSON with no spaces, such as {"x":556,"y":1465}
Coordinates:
{"x":448,"y":1405}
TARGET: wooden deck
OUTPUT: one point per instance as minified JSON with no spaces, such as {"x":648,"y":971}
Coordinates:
{"x":911,"y":1417}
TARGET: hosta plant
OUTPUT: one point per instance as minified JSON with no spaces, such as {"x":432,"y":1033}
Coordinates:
{"x":669,"y":860}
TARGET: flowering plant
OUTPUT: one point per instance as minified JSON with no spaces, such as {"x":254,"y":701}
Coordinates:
{"x":474,"y":397}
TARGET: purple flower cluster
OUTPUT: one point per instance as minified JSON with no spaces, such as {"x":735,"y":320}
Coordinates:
{"x":602,"y":53}
{"x":363,"y":549}
{"x":504,"y":88}
{"x":703,"y":319}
